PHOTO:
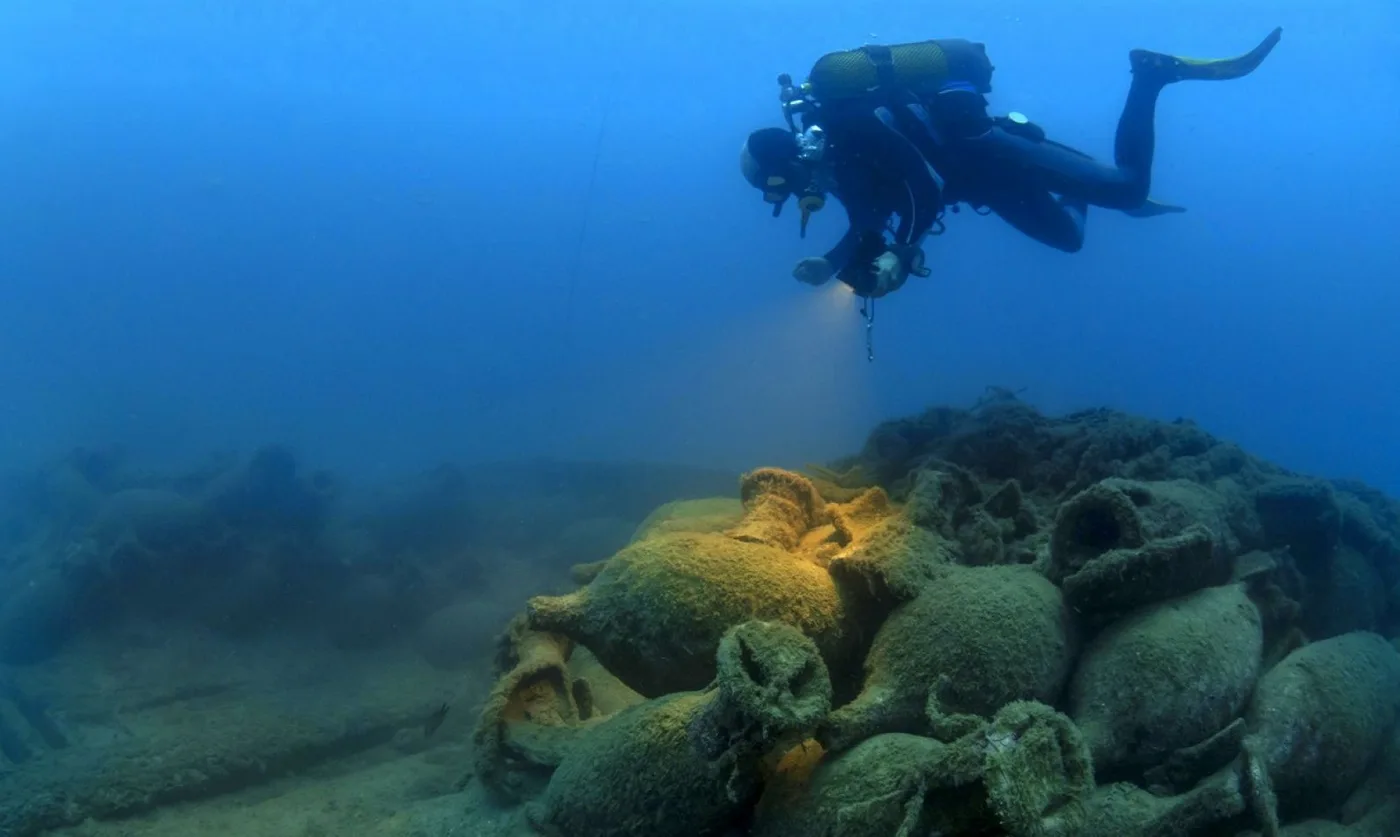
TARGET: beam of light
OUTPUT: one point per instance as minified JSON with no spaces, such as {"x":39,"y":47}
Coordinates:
{"x":785,"y":384}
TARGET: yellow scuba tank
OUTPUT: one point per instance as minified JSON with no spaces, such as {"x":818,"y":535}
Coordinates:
{"x":922,"y":67}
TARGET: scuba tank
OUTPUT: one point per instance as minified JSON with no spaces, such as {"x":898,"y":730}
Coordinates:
{"x":922,"y":68}
{"x":874,"y":75}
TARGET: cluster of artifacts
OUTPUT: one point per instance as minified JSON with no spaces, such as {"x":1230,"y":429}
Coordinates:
{"x":988,"y":622}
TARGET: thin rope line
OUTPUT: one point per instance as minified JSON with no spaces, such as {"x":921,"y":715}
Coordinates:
{"x":576,"y":270}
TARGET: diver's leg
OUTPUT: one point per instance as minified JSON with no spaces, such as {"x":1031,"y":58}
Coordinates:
{"x":1126,"y":185}
{"x":1055,"y":222}
{"x":1052,"y":167}
{"x":1135,"y":141}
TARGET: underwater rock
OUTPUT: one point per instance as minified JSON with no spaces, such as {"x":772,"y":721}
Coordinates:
{"x":688,"y":763}
{"x":656,"y":610}
{"x":981,"y":636}
{"x":1120,"y":544}
{"x":1167,"y":677}
{"x":1318,"y":719}
{"x":1025,"y":772}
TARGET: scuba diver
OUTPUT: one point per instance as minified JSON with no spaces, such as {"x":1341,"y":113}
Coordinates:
{"x":905,"y":131}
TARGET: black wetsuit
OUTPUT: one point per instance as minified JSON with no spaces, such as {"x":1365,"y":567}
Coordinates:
{"x":1040,"y":187}
{"x":878,"y":173}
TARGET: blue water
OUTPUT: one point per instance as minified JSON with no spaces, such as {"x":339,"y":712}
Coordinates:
{"x":367,"y":230}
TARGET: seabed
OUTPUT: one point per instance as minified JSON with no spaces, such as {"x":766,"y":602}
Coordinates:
{"x":984,"y":622}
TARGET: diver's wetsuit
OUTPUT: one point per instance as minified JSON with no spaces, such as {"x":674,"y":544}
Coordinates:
{"x":1041,"y":187}
{"x":1064,"y":171}
{"x":878,"y":173}
{"x":1057,"y":221}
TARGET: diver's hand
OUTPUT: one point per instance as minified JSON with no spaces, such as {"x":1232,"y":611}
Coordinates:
{"x":913,"y":260}
{"x":814,"y":271}
{"x":890,"y":274}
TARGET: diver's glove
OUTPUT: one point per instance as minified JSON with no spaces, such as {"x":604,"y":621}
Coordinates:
{"x":814,"y":271}
{"x":890,"y":274}
{"x":912,"y":258}
{"x":893,"y":268}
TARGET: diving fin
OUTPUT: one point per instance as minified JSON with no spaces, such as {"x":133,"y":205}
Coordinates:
{"x":1175,"y":68}
{"x":1151,"y":209}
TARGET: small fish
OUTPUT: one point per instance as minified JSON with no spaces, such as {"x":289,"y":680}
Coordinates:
{"x":435,"y":720}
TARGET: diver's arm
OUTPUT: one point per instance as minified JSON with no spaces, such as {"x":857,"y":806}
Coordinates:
{"x":852,"y":259}
{"x":863,"y":221}
{"x":840,"y":255}
{"x":926,"y":196}
{"x":925,"y":190}
{"x":924,"y":201}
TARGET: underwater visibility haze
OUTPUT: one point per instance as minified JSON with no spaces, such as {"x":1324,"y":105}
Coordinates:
{"x":415,"y":424}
